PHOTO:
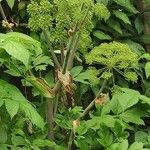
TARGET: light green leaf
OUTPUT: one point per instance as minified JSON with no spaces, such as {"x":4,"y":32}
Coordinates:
{"x":122,"y":16}
{"x":11,"y":107}
{"x":10,"y":3}
{"x":82,"y":77}
{"x":119,"y":146}
{"x":17,"y":51}
{"x":141,"y":136}
{"x":101,"y":35}
{"x":124,"y":99}
{"x":123,"y":145}
{"x":146,"y":56}
{"x":18,"y":140}
{"x":30,"y":43}
{"x":41,"y":59}
{"x":47,"y":143}
{"x":147,"y":69}
{"x":133,"y":116}
{"x":105,"y":137}
{"x":136,"y":146}
{"x":76,"y":70}
{"x":114,"y":25}
{"x":145,"y":99}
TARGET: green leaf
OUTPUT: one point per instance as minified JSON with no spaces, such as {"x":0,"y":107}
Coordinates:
{"x":114,"y":25}
{"x":75,"y":71}
{"x":10,"y":92}
{"x":101,"y":35}
{"x":124,"y":99}
{"x":10,"y":3}
{"x":147,"y":69}
{"x":122,"y":16}
{"x":18,"y":140}
{"x":145,"y":99}
{"x":133,"y":116}
{"x":141,"y":136}
{"x":123,"y":145}
{"x":105,"y":2}
{"x":82,"y":77}
{"x":127,"y":4}
{"x":3,"y":147}
{"x":145,"y":38}
{"x":3,"y":134}
{"x":136,"y":146}
{"x":119,"y":146}
{"x":105,"y":137}
{"x":146,"y":56}
{"x":1,"y":102}
{"x":11,"y":107}
{"x":41,"y":59}
{"x":28,"y":42}
{"x":17,"y":51}
{"x":47,"y":143}
{"x":41,"y":85}
{"x":135,"y":47}
{"x":139,"y":25}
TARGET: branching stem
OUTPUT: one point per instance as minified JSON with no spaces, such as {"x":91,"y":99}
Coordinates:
{"x":51,"y":50}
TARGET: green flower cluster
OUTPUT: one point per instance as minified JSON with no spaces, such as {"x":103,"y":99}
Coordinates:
{"x":114,"y":55}
{"x":106,"y":75}
{"x":131,"y":76}
{"x":63,"y":15}
{"x":68,"y":13}
{"x":85,"y":42}
{"x":93,"y":76}
{"x":40,"y":15}
{"x":101,"y":11}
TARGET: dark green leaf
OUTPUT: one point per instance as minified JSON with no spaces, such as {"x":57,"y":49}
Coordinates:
{"x":101,"y":35}
{"x":114,"y":25}
{"x":139,"y":25}
{"x":122,"y":16}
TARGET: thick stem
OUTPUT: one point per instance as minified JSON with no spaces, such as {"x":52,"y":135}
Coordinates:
{"x":144,"y":17}
{"x":88,"y":108}
{"x":50,"y":119}
{"x":2,"y":13}
{"x":62,"y":52}
{"x":70,"y":140}
{"x":72,"y":53}
{"x":51,"y":50}
{"x":71,"y":41}
{"x":85,"y":112}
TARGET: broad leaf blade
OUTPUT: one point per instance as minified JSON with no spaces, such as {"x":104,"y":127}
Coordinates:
{"x":11,"y":107}
{"x":101,"y":35}
{"x":17,"y":50}
{"x":12,"y":93}
{"x":10,"y":3}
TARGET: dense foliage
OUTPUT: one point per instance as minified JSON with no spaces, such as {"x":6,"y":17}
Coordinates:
{"x":74,"y":75}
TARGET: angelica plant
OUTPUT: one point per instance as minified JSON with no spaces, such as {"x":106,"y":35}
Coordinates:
{"x":116,"y":56}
